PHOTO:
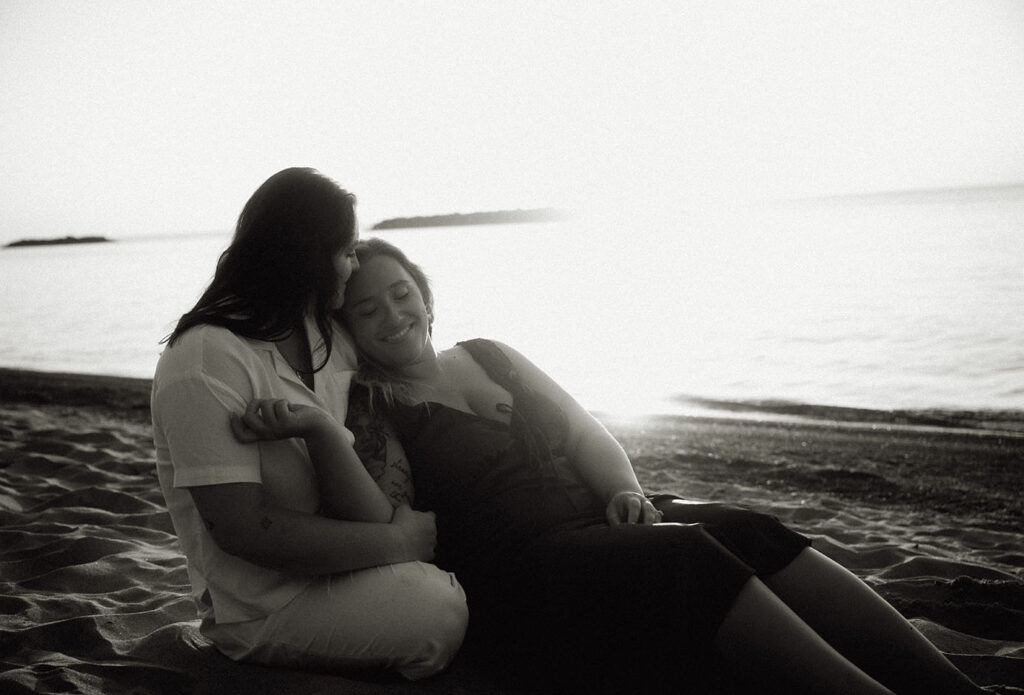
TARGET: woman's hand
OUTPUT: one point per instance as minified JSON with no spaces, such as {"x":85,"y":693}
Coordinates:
{"x":265,"y":419}
{"x":629,"y":507}
{"x":347,"y":492}
{"x":418,"y":530}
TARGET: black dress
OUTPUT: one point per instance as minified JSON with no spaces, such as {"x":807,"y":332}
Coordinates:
{"x":551,"y":586}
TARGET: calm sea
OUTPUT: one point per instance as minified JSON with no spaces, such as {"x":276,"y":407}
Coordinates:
{"x":887,"y":302}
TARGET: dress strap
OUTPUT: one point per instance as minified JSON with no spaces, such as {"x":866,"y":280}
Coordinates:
{"x":538,"y":422}
{"x":495,"y":362}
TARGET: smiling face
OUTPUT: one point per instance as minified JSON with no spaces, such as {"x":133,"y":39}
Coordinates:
{"x":386,"y":314}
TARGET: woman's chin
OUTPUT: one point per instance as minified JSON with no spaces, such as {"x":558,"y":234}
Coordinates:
{"x":392,"y":356}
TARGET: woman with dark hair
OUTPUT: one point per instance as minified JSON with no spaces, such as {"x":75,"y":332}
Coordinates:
{"x":282,"y":574}
{"x":571,"y":570}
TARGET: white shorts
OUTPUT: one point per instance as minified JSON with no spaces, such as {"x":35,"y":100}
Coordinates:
{"x":410,"y":617}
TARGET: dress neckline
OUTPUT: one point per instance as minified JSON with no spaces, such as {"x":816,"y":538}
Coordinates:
{"x":428,"y":405}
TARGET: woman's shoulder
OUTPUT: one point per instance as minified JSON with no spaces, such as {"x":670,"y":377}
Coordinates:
{"x":503,"y":363}
{"x":491,"y":350}
{"x":475,"y":346}
{"x":206,"y":338}
{"x":512,"y":366}
{"x":206,"y":350}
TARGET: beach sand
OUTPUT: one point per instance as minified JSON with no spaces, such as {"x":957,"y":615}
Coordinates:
{"x":95,"y":592}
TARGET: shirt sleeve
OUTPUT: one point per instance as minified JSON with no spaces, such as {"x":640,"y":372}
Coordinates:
{"x":195,"y":416}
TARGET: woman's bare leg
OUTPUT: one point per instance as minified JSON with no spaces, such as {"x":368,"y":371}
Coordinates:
{"x":859,"y":623}
{"x":764,"y":638}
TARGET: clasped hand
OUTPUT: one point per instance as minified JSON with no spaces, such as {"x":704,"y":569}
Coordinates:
{"x":277,"y":418}
{"x":629,"y":507}
{"x":269,"y":419}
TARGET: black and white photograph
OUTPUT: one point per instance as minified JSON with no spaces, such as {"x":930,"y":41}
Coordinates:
{"x":439,"y":347}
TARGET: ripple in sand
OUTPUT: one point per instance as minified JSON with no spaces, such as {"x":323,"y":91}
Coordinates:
{"x":10,"y":605}
{"x":953,"y":642}
{"x":98,"y":498}
{"x":21,"y":542}
{"x":103,"y":438}
{"x":36,"y":467}
{"x":81,"y":632}
{"x":940,"y":567}
{"x":992,"y":609}
{"x":102,"y":576}
{"x":63,"y":552}
{"x":55,"y":447}
{"x":84,"y":678}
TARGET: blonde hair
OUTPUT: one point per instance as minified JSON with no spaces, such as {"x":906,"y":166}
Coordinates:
{"x":377,"y":378}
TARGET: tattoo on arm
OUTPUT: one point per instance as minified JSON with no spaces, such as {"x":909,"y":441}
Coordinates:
{"x":372,"y":435}
{"x":397,"y":481}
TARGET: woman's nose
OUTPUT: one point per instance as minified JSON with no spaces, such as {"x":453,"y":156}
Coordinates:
{"x":391,"y":311}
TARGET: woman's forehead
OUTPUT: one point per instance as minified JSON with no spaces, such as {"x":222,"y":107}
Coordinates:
{"x":381,"y":270}
{"x":375,"y":275}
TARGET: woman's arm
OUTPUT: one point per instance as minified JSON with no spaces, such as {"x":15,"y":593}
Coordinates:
{"x":347,"y":491}
{"x":201,"y":386}
{"x":243,"y":522}
{"x":362,"y":529}
{"x":377,"y":446}
{"x":596,"y":456}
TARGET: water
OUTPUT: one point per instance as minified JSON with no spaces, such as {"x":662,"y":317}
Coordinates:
{"x":901,"y":301}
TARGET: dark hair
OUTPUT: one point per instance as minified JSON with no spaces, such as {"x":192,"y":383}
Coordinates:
{"x":378,"y":379}
{"x":280,"y":260}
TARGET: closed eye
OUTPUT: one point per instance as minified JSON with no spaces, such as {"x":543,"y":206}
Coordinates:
{"x":364,"y":309}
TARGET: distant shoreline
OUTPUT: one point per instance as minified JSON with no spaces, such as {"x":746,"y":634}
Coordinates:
{"x":912,"y":195}
{"x":472,"y":218}
{"x":57,"y":241}
{"x":981,"y":420}
{"x":131,"y":395}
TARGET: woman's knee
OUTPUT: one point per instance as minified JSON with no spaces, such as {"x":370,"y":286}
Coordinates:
{"x":435,"y":616}
{"x":441,"y":605}
{"x":410,"y":617}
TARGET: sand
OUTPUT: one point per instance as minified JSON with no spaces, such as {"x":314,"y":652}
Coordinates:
{"x":95,"y":592}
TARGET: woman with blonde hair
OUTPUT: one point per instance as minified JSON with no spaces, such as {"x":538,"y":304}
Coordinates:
{"x":572,"y":572}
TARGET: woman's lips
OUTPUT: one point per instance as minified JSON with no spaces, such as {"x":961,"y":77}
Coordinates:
{"x":397,"y":335}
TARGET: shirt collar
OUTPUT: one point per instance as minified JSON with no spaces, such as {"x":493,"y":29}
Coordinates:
{"x":317,"y":348}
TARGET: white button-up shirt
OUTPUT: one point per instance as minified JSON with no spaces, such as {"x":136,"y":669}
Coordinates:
{"x":208,"y":374}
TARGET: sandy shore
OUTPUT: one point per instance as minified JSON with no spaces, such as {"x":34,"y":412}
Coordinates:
{"x":95,"y":600}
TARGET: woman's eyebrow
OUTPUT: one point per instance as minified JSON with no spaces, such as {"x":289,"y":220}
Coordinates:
{"x":368,"y":299}
{"x":359,"y":302}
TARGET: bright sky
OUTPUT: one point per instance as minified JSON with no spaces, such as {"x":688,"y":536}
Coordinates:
{"x":126,"y":118}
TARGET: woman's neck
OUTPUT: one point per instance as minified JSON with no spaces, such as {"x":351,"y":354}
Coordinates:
{"x":295,"y":350}
{"x":427,"y":376}
{"x":425,"y":369}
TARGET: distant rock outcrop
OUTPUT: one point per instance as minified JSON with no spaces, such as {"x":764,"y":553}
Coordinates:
{"x":61,"y":240}
{"x":458,"y":218}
